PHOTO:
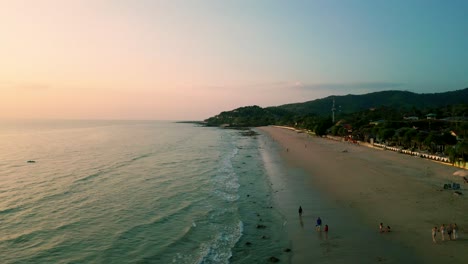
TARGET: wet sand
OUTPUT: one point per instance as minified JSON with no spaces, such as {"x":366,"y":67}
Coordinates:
{"x":370,"y":186}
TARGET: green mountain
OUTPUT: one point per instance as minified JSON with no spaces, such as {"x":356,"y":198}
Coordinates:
{"x":401,"y":100}
{"x":393,"y":103}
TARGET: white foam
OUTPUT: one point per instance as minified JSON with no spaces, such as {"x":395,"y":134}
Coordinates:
{"x":226,"y":182}
{"x":220,"y":248}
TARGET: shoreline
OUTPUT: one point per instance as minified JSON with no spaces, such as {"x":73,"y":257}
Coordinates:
{"x":374,"y":186}
{"x":435,"y":158}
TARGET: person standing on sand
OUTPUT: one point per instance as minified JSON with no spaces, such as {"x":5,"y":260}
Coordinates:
{"x":318,"y":226}
{"x":442,"y":231}
{"x":449,"y":232}
{"x":434,"y":232}
{"x":300,"y":211}
{"x":381,"y":228}
{"x":455,"y":231}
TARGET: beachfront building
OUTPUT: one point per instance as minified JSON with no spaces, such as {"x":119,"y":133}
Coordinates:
{"x":378,"y":122}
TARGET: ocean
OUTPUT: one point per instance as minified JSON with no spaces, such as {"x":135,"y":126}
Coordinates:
{"x":135,"y":192}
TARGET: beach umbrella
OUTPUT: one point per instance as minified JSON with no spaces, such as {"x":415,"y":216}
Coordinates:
{"x":461,"y":173}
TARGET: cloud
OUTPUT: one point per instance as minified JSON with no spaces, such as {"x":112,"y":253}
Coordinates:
{"x":255,"y":85}
{"x":332,"y":87}
{"x":23,"y":86}
{"x":32,"y":87}
{"x":354,"y":86}
{"x":4,"y":84}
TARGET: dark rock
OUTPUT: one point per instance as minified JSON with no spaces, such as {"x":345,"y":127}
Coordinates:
{"x":261,"y":226}
{"x":287,"y":250}
{"x":273,"y":259}
{"x":248,"y":243}
{"x":249,"y":133}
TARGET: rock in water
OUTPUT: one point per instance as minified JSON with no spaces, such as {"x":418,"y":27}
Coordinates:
{"x":273,"y":259}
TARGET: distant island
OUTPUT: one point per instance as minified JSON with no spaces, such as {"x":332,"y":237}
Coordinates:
{"x":436,"y":123}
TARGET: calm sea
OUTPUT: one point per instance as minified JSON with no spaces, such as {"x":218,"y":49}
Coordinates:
{"x":134,"y":192}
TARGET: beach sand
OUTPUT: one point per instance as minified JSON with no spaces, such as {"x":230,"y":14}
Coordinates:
{"x":358,"y":188}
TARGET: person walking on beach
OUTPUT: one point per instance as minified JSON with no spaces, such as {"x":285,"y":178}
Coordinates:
{"x":300,"y":211}
{"x":449,"y":232}
{"x":442,"y":231}
{"x":455,"y":231}
{"x":434,"y":232}
{"x":326,"y":231}
{"x":318,"y":226}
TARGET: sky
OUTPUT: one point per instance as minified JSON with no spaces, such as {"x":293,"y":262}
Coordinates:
{"x":192,"y":59}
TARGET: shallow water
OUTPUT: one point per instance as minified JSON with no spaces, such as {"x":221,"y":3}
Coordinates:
{"x":132,"y":191}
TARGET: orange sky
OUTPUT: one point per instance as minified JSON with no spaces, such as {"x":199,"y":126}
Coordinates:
{"x":185,"y":59}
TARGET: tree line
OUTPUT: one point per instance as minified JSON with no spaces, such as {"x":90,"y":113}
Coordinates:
{"x":446,"y":133}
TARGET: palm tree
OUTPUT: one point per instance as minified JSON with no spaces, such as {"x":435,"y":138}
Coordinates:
{"x":459,"y":153}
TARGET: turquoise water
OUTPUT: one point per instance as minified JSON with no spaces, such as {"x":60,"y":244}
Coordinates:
{"x":134,"y":192}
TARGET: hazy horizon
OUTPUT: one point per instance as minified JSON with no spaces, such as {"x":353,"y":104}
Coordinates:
{"x":189,"y":60}
{"x":160,"y":119}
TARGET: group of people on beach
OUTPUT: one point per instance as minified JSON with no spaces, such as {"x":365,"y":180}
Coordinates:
{"x":383,"y":229}
{"x":451,"y":230}
{"x":318,"y":224}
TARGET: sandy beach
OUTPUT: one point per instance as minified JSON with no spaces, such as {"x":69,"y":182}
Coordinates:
{"x":372,"y":186}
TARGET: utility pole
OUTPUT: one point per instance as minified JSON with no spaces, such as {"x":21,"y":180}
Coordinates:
{"x":333,"y":111}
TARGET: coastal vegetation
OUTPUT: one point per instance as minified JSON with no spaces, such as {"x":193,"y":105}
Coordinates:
{"x":434,"y":123}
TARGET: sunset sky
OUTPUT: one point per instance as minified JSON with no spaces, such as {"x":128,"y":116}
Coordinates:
{"x":189,"y":60}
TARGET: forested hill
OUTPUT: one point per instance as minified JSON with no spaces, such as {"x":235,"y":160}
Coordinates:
{"x":403,"y":102}
{"x":392,"y":99}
